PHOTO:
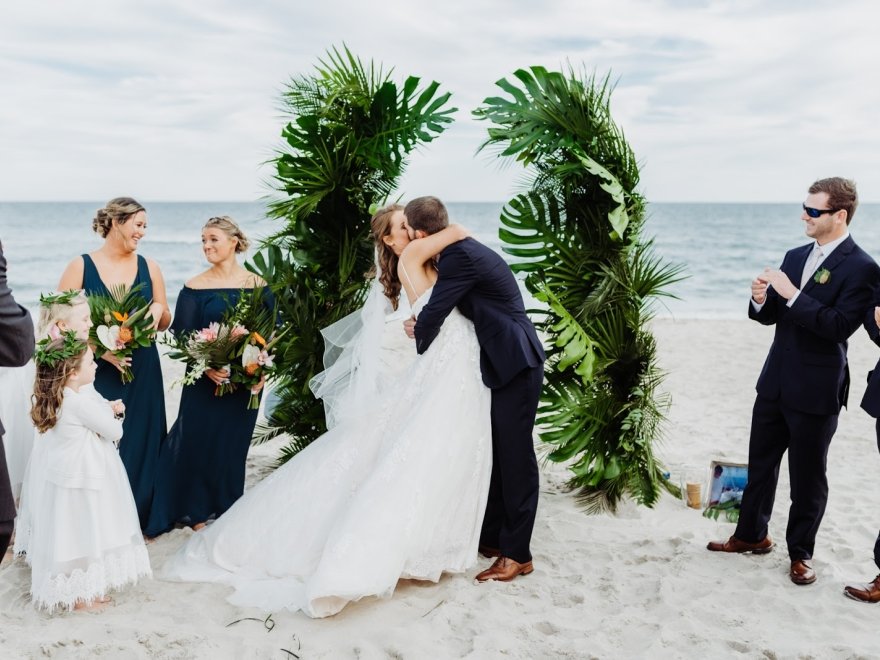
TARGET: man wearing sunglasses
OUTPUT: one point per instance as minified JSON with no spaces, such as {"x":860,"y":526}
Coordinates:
{"x":817,"y":299}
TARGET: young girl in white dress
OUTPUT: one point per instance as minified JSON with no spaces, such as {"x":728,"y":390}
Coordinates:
{"x":59,"y":312}
{"x":86,"y":538}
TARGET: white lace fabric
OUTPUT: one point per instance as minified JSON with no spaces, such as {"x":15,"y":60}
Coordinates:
{"x":398,"y":491}
{"x":80,"y":534}
{"x":92,"y":578}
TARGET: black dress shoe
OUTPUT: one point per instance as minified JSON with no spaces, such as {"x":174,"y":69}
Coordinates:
{"x":802,"y":571}
{"x":733,"y":544}
{"x":864,"y":593}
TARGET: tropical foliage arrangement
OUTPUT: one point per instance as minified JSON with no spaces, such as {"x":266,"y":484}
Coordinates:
{"x":242,"y":343}
{"x":121,"y":323}
{"x":345,"y":148}
{"x":577,"y":234}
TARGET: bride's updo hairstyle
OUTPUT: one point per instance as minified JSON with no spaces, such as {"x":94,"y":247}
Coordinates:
{"x":119,"y":209}
{"x":229,"y":227}
{"x":380,"y":227}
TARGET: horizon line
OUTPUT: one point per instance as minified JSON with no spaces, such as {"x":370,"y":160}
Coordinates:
{"x":458,"y":201}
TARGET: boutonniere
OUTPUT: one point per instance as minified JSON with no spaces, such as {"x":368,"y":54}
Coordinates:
{"x":822,"y":276}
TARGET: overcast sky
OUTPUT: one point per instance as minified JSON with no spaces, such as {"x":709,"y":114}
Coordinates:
{"x":178,"y":100}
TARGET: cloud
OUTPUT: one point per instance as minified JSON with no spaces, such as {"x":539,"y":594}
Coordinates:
{"x":162,"y":100}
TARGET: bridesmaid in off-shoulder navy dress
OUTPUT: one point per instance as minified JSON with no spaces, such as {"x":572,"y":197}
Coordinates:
{"x":202,"y":461}
{"x":122,"y":223}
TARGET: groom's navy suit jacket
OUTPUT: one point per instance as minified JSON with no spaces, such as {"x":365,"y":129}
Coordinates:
{"x":477,"y":280}
{"x":806,"y":368}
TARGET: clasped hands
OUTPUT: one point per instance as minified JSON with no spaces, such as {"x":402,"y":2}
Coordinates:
{"x":221,"y":377}
{"x":775,"y":278}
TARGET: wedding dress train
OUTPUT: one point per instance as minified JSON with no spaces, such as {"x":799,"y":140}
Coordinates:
{"x":398,"y":492}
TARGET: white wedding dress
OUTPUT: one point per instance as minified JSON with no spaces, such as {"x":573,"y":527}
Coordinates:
{"x":396,"y":492}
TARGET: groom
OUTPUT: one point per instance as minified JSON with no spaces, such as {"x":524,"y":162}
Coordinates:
{"x":477,"y":281}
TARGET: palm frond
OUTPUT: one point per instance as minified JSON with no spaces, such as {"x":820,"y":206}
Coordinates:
{"x":576,"y":233}
{"x":350,"y":129}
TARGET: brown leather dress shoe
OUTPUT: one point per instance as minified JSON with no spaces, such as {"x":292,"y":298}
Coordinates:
{"x":802,"y":571}
{"x":733,"y":544}
{"x":489,"y":552}
{"x":504,"y":570}
{"x":865,"y":593}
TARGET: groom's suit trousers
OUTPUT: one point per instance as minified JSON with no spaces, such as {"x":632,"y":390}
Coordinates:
{"x":513,"y":490}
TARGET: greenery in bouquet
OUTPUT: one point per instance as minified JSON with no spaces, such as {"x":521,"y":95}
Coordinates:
{"x":236,"y":343}
{"x":256,"y":361}
{"x":213,"y":347}
{"x":121,"y":322}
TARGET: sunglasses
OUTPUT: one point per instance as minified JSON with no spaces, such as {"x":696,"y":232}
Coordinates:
{"x":817,"y":213}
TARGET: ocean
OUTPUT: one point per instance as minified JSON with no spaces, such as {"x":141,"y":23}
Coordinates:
{"x":722,"y":246}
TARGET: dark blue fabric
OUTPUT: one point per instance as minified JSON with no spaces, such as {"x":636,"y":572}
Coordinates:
{"x":202,"y":462}
{"x":801,"y":389}
{"x":477,"y":280}
{"x":144,"y":398}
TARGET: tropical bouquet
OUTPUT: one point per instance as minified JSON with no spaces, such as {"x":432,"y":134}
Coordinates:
{"x":237,"y":343}
{"x":120,"y":323}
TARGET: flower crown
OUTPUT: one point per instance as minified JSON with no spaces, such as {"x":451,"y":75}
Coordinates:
{"x":61,"y":298}
{"x":50,"y":352}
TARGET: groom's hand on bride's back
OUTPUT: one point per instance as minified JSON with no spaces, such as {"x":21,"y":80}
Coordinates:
{"x":409,"y":327}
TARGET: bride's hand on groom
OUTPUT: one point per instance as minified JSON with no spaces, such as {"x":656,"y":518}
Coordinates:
{"x":409,"y":327}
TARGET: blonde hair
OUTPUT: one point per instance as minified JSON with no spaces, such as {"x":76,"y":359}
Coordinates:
{"x":229,"y":227}
{"x":52,"y":313}
{"x":119,"y":209}
{"x":380,"y":226}
{"x":49,"y":386}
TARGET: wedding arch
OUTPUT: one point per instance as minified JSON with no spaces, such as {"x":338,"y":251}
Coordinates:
{"x":344,"y":150}
{"x":577,"y":234}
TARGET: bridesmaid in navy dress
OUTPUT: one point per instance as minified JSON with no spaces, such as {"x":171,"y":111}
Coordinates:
{"x":122,"y":223}
{"x":202,"y":462}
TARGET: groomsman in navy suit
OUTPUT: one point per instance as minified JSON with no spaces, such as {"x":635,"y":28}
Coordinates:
{"x":16,"y":348}
{"x":870,"y":592}
{"x":817,"y":300}
{"x":476,"y":280}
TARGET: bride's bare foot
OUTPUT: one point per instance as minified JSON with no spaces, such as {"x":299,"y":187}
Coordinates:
{"x":92,"y":606}
{"x":199,"y":526}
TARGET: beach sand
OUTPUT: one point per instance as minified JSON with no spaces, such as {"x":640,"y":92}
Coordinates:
{"x":636,"y":584}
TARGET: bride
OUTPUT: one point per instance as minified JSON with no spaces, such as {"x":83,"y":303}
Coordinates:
{"x":396,"y":489}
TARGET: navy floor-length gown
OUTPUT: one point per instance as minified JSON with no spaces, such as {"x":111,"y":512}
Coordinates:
{"x":144,"y":427}
{"x":202,"y":462}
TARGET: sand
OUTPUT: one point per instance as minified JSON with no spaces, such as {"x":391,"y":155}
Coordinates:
{"x":636,"y":584}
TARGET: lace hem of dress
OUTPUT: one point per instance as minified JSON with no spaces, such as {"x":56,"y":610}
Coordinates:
{"x":112,"y":571}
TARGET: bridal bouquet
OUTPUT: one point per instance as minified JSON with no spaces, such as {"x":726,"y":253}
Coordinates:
{"x":236,"y":343}
{"x":120,"y":324}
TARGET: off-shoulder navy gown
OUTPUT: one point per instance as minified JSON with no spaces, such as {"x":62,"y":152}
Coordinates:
{"x":144,"y":427}
{"x":202,"y":462}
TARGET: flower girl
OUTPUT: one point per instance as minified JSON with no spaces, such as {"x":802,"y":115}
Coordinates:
{"x":86,"y":539}
{"x":59,"y":312}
